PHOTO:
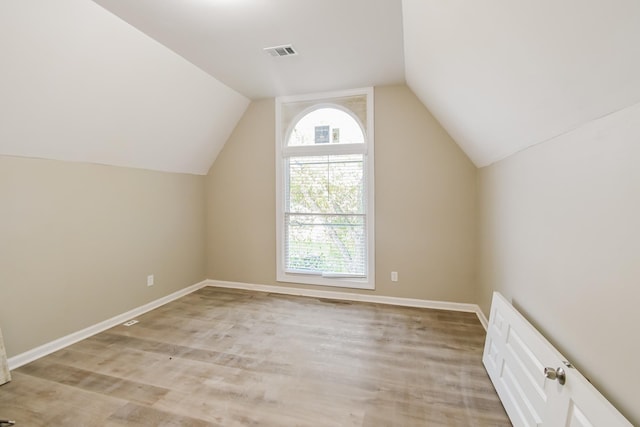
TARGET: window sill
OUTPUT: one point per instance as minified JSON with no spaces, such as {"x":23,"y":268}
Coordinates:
{"x":312,"y":279}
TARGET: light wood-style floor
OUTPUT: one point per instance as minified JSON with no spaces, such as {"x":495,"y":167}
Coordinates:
{"x":233,"y":358}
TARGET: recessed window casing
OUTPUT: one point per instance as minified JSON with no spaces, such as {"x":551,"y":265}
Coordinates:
{"x":324,"y":189}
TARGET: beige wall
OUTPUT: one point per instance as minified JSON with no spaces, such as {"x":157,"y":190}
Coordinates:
{"x":425,"y":203}
{"x":77,"y":242}
{"x":560,"y":236}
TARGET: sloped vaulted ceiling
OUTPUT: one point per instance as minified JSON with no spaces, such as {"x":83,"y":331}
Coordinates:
{"x":503,"y":75}
{"x":79,"y":84}
{"x":341,"y":44}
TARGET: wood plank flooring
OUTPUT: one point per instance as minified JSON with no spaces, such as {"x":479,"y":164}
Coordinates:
{"x":222,"y":357}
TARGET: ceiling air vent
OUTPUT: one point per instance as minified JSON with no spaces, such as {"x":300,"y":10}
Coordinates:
{"x":284,"y":50}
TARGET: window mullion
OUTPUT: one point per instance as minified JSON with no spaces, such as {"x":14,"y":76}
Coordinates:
{"x":324,"y":150}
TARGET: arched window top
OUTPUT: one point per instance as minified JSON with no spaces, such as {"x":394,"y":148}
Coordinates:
{"x":326,"y":125}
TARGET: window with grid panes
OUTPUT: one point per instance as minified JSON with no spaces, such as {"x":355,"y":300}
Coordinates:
{"x":325,"y":189}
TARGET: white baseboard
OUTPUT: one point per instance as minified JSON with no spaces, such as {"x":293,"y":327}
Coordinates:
{"x":348,"y":296}
{"x":50,"y":347}
{"x":482,"y":318}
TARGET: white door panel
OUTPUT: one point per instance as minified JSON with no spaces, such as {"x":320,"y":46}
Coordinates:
{"x":5,"y":375}
{"x":515,"y":356}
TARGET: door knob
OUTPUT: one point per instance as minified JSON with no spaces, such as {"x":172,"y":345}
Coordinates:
{"x":556,"y":374}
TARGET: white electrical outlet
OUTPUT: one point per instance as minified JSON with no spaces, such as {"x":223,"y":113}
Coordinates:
{"x":394,"y":276}
{"x":130,"y":322}
{"x":150,"y":280}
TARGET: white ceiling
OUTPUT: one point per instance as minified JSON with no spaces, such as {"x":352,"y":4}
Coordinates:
{"x":79,"y":83}
{"x":499,"y":75}
{"x":502,"y":75}
{"x":342,"y":44}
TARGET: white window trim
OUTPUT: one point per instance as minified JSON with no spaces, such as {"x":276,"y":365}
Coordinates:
{"x":317,"y":279}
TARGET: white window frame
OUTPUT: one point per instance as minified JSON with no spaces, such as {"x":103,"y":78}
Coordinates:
{"x":324,"y":100}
